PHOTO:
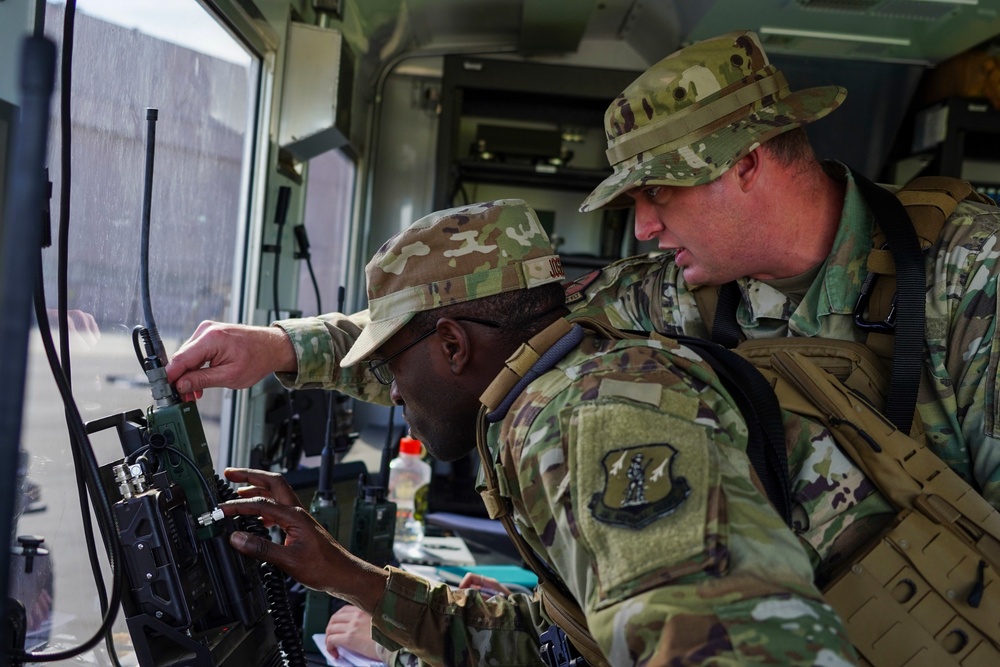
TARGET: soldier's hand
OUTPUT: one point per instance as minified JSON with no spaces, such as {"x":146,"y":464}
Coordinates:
{"x":487,"y":585}
{"x":308,"y":554}
{"x":263,"y":484}
{"x":351,"y":628}
{"x":234,"y":356}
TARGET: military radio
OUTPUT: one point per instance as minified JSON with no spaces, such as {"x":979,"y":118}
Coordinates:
{"x":190,"y":598}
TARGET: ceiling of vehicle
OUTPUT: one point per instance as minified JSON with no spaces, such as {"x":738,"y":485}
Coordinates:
{"x":918,"y":31}
{"x":921,"y":32}
{"x":877,"y":49}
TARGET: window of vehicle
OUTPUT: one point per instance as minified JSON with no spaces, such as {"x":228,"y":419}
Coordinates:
{"x":130,"y":55}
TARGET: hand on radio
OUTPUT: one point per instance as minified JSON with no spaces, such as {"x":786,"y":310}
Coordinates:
{"x":308,"y":553}
{"x":234,"y":356}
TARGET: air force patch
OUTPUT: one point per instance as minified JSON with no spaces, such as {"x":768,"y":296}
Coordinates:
{"x":639,"y":486}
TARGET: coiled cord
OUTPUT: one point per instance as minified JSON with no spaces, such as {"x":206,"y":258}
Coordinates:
{"x":285,"y":629}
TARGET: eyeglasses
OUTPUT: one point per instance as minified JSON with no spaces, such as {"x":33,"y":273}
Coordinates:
{"x":381,"y":371}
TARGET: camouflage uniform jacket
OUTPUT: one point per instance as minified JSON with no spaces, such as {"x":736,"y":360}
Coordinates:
{"x":834,"y":507}
{"x":626,"y":469}
{"x":958,"y":400}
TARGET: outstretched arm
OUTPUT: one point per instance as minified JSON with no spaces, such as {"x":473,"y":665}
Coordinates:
{"x":303,"y":353}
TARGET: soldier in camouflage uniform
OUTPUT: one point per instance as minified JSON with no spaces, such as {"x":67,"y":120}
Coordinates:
{"x":707,"y":146}
{"x":676,"y":558}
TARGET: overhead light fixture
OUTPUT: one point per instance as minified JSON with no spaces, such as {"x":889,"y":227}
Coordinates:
{"x":836,"y":36}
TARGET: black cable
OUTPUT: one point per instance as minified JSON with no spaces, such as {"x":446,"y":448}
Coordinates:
{"x":302,"y":239}
{"x":76,"y":447}
{"x":280,"y":215}
{"x":210,"y":496}
{"x":274,"y":276}
{"x":62,"y":288}
{"x":102,"y":505}
{"x":39,"y":21}
{"x":136,"y":333}
{"x":66,"y":133}
{"x":312,"y":276}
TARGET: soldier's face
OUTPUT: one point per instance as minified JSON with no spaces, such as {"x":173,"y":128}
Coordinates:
{"x":439,"y":412}
{"x":702,"y":224}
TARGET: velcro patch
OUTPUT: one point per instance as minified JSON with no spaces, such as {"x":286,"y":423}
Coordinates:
{"x":621,"y":447}
{"x":643,"y":392}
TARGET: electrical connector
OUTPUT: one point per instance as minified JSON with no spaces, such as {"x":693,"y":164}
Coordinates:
{"x":208,"y":518}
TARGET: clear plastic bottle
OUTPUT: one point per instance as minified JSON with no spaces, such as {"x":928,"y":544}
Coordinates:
{"x":409,"y":477}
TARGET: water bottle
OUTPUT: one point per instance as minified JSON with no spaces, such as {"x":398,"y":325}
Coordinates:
{"x":409,"y":478}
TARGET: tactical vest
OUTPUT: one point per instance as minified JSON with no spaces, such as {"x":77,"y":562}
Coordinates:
{"x":924,"y":592}
{"x":890,"y":308}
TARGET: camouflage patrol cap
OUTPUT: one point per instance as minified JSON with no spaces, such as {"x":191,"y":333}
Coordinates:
{"x":691,"y":116}
{"x":452,"y":256}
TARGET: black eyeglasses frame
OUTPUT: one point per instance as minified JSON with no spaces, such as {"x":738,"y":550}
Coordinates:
{"x":381,"y":372}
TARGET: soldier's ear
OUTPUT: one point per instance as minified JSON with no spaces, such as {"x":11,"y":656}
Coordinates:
{"x":455,"y":344}
{"x":748,"y":169}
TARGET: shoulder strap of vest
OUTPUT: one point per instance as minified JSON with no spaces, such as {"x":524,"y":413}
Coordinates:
{"x":929,"y":574}
{"x":906,"y":472}
{"x":908,"y":345}
{"x":766,"y":447}
{"x":560,"y":606}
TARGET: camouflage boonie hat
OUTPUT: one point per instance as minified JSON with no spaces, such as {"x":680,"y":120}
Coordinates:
{"x":452,"y":256}
{"x":691,"y":116}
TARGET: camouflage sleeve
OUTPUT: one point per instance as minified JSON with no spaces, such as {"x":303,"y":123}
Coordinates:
{"x":443,"y":626}
{"x":835,"y":507}
{"x":320,"y":343}
{"x":960,"y":405}
{"x":628,"y":474}
{"x":642,"y":293}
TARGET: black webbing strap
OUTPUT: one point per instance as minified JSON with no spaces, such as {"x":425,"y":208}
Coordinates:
{"x":759,"y":406}
{"x":725,"y":329}
{"x":908,"y":343}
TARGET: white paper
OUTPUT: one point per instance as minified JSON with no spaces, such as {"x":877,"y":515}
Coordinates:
{"x":348,"y":658}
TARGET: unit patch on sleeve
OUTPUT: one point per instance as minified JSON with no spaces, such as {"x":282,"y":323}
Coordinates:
{"x":639,"y":486}
{"x":574,"y":290}
{"x":638,"y":469}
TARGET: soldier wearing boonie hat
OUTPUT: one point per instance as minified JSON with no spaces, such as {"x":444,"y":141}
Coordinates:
{"x":451,"y":256}
{"x":691,"y":116}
